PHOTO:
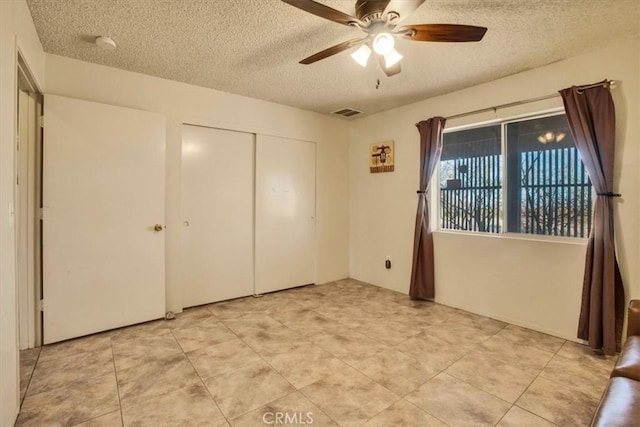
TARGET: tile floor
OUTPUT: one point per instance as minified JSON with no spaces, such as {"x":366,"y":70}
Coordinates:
{"x":345,"y":353}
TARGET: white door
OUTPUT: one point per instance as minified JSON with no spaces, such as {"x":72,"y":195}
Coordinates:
{"x":217,"y":210}
{"x":103,"y":192}
{"x":285,"y":213}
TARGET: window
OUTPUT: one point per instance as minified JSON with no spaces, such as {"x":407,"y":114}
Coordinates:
{"x":523,"y":176}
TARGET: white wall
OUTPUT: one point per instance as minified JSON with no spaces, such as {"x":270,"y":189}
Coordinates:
{"x":16,"y":32}
{"x":531,"y":282}
{"x":183,"y":103}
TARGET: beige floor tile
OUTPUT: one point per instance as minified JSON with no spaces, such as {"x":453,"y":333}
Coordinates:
{"x":434,"y":351}
{"x":222,"y":358}
{"x":305,"y":293}
{"x":403,"y":413}
{"x":589,"y":378}
{"x":394,"y":370}
{"x":141,"y":330}
{"x":73,"y":347}
{"x":204,"y":335}
{"x":381,"y":309}
{"x":420,"y":320}
{"x":291,"y":410}
{"x":304,"y":364}
{"x":517,"y":354}
{"x":518,"y":417}
{"x":347,"y":344}
{"x":352,"y":349}
{"x":135,"y":350}
{"x":188,"y":406}
{"x":85,"y":400}
{"x":154,"y":379}
{"x":503,"y":380}
{"x":25,"y":378}
{"x":460,"y":331}
{"x":349,"y":315}
{"x":65,"y":371}
{"x":251,"y":323}
{"x":298,"y":314}
{"x":235,"y":308}
{"x":320,"y":325}
{"x":404,"y":300}
{"x":277,"y":302}
{"x":520,"y":336}
{"x":311,"y":301}
{"x":485,"y":325}
{"x":349,"y":397}
{"x":307,"y":321}
{"x":388,"y":332}
{"x":583,"y":354}
{"x":30,"y":357}
{"x":558,"y":403}
{"x":113,"y":419}
{"x":246,"y":389}
{"x":190,"y":317}
{"x":275,"y":340}
{"x":457,"y":403}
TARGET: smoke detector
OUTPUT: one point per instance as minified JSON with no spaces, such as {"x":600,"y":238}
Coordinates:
{"x":105,"y":43}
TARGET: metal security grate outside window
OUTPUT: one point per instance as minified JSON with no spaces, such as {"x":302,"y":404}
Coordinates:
{"x":528,"y":166}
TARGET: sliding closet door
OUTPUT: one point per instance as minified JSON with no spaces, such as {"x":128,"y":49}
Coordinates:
{"x":285,"y":213}
{"x":103,"y":194}
{"x":217,"y":209}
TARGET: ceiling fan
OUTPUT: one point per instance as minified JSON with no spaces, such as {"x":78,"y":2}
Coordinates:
{"x":379,"y":19}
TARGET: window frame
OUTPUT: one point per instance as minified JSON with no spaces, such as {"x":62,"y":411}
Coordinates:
{"x":436,"y":195}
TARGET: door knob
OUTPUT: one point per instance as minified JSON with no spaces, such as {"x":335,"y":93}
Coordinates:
{"x":158,"y":227}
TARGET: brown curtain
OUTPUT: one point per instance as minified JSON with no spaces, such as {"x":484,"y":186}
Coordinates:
{"x":591,"y":117}
{"x":422,"y":278}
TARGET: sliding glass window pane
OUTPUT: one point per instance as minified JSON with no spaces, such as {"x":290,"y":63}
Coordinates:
{"x":470,"y":180}
{"x":548,"y":190}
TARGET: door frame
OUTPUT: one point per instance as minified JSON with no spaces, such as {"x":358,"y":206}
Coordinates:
{"x":27,"y":202}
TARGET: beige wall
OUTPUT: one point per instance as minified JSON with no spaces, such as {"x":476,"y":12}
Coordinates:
{"x":183,"y":103}
{"x":531,"y":282}
{"x":17,"y":32}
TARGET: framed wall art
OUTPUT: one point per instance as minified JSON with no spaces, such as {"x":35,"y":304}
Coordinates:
{"x":381,"y":157}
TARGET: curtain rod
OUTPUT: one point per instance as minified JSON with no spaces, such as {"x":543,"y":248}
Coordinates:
{"x":606,"y":83}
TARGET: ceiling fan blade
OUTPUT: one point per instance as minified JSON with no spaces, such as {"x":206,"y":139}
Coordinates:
{"x":323,"y":11}
{"x":443,"y":32}
{"x":391,"y":71}
{"x":403,"y":8}
{"x":332,"y":51}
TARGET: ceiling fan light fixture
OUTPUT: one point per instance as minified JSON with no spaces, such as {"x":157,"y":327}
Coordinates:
{"x":548,"y":137}
{"x":361,"y":56}
{"x":392,"y":58}
{"x":383,"y":43}
{"x":105,"y":43}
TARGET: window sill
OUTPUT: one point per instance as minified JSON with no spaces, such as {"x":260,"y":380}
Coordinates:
{"x":518,"y":236}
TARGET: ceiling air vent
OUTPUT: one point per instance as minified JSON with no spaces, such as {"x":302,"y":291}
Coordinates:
{"x":347,"y":112}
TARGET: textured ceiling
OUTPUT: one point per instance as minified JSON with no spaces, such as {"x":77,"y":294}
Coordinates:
{"x":252,"y":47}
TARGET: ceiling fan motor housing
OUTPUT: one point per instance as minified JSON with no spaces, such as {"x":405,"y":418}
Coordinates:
{"x":370,"y":10}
